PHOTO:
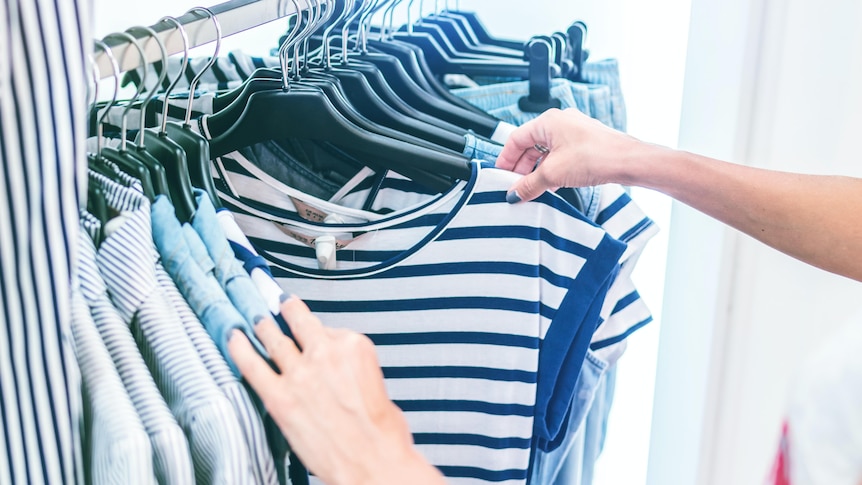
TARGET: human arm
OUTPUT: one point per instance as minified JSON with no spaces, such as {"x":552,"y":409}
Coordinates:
{"x":330,"y":402}
{"x":814,"y":218}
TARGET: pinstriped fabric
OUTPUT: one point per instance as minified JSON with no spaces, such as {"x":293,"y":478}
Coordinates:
{"x":117,"y":448}
{"x":42,"y":114}
{"x":250,"y":421}
{"x":172,"y":460}
{"x":127,"y":261}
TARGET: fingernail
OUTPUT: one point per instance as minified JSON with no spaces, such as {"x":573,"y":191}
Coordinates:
{"x":513,"y":197}
{"x":259,"y":319}
{"x":233,"y":334}
{"x":284,"y":297}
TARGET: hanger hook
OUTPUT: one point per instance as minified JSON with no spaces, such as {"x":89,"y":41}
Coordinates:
{"x":384,"y":23}
{"x":92,"y":111}
{"x":283,"y":50}
{"x":132,"y":40}
{"x":346,"y":29}
{"x":326,"y":21}
{"x":116,"y":70}
{"x":327,"y":32}
{"x":368,"y":8}
{"x":193,"y":85}
{"x":365,"y":25}
{"x":398,"y":3}
{"x":387,"y":25}
{"x":162,"y":76}
{"x":410,"y":16}
{"x":327,"y":12}
{"x":185,"y":37}
{"x":314,"y":13}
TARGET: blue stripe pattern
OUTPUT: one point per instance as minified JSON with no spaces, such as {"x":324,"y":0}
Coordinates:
{"x":412,"y":273}
{"x":172,"y":458}
{"x":115,"y":444}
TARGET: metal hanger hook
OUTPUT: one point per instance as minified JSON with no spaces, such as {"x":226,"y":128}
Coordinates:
{"x":369,"y":8}
{"x":315,"y":13}
{"x":327,"y":32}
{"x":328,"y":11}
{"x":291,"y":39}
{"x":152,"y":93}
{"x":98,"y":77}
{"x":365,"y":27}
{"x":410,"y":15}
{"x":141,"y":86}
{"x":388,"y":26}
{"x":185,"y":37}
{"x":211,"y":63}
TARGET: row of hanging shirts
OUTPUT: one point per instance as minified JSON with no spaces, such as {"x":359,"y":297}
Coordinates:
{"x":360,"y":182}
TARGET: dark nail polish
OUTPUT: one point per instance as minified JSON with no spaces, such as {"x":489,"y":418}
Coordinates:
{"x":259,"y":319}
{"x":284,"y":297}
{"x":513,"y":197}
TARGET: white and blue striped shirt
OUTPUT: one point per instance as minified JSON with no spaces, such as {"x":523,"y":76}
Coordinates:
{"x":481,"y":311}
{"x":170,"y":449}
{"x":116,"y":446}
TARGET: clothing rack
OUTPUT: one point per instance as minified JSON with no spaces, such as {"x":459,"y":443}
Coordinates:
{"x":234,"y":16}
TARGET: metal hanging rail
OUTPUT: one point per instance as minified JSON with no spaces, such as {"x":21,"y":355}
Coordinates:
{"x":234,"y":16}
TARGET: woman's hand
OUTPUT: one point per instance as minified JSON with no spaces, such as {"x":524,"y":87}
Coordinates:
{"x":582,"y":152}
{"x":330,"y":401}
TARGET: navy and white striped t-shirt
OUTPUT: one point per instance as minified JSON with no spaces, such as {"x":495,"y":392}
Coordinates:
{"x":481,"y":311}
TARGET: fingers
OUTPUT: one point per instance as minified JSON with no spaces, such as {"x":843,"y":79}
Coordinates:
{"x":280,"y":347}
{"x":531,"y":185}
{"x":306,"y":328}
{"x":255,"y":370}
{"x":518,"y":154}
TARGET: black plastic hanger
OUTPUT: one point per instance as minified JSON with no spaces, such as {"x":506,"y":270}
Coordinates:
{"x":412,"y":93}
{"x":321,"y":78}
{"x":370,"y":94}
{"x":481,"y":33}
{"x":302,"y":111}
{"x":392,"y":70}
{"x":539,"y":99}
{"x":121,"y":158}
{"x":458,"y":29}
{"x":412,"y":57}
{"x":195,"y":146}
{"x":576,"y":34}
{"x":442,"y":61}
{"x":136,"y":153}
{"x":270,"y":80}
{"x":169,"y":154}
{"x":463,"y":39}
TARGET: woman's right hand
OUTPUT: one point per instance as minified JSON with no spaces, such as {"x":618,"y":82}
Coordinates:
{"x":582,"y":152}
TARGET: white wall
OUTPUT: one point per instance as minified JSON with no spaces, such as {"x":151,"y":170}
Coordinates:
{"x":771,"y":83}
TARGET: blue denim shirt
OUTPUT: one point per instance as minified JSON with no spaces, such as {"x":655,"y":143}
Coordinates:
{"x":202,"y":292}
{"x":229,"y":272}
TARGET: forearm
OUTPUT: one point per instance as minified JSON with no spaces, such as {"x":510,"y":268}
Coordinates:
{"x":804,"y":216}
